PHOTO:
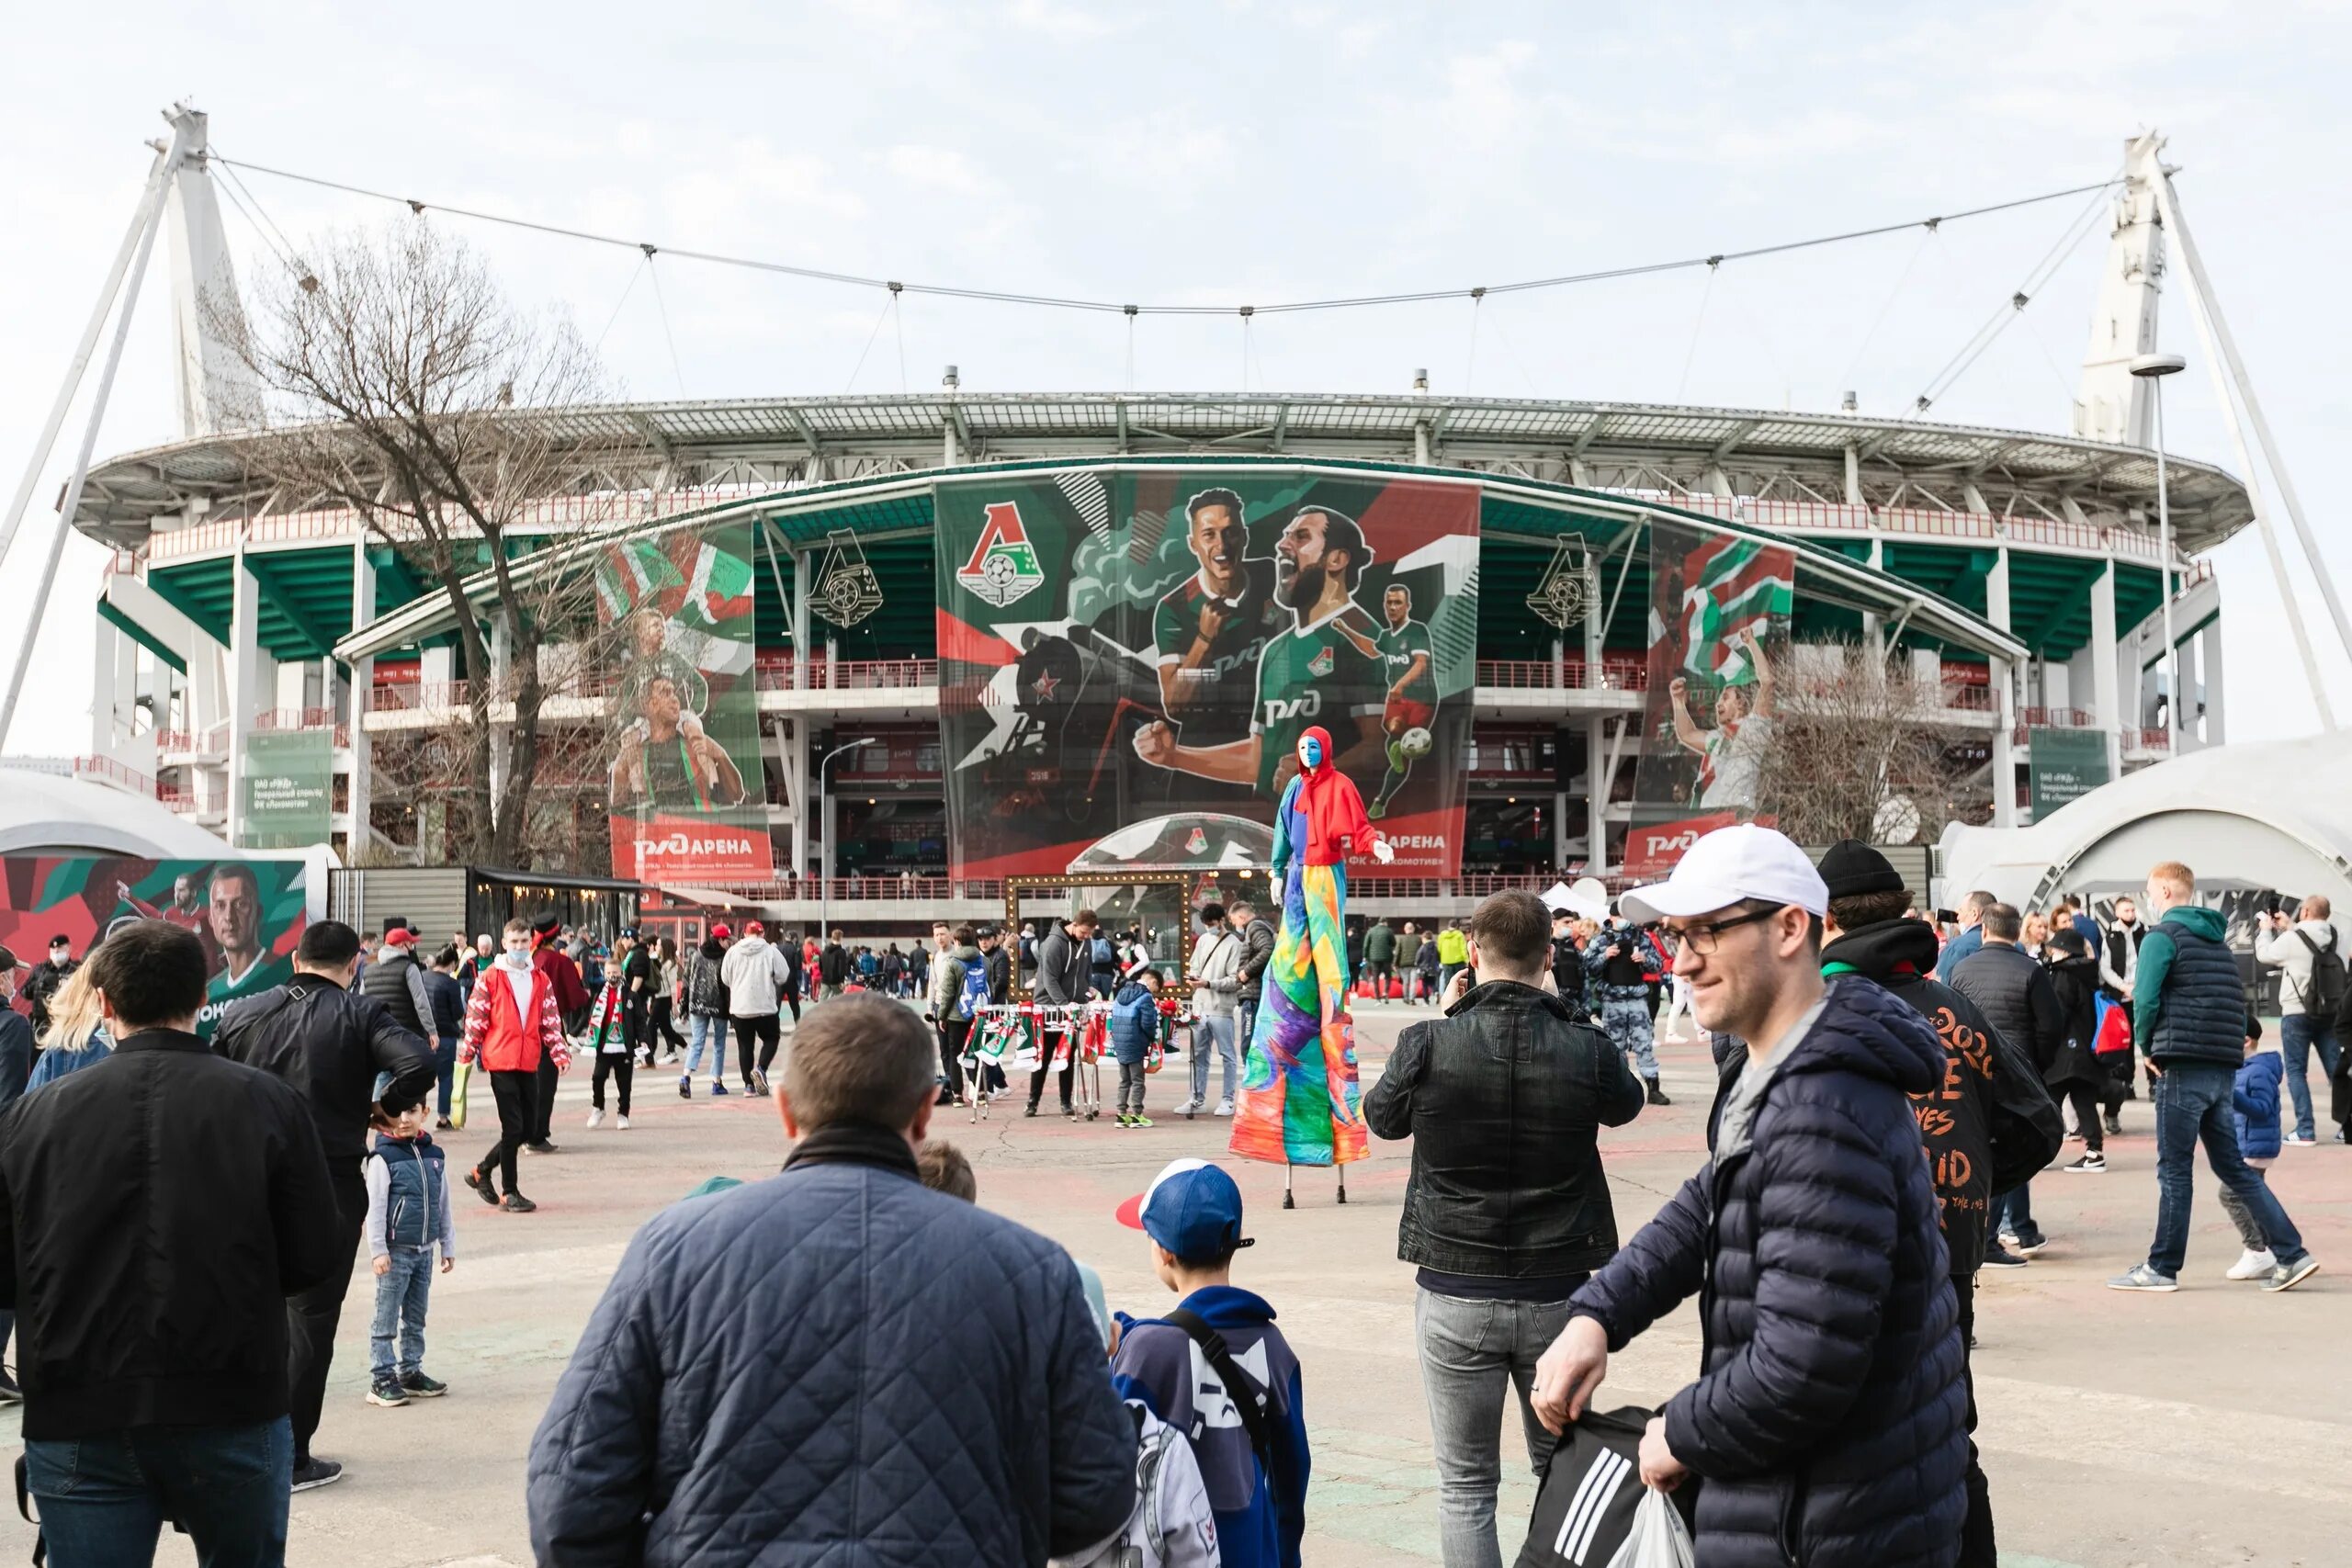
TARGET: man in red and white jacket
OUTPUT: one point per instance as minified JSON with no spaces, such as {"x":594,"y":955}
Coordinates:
{"x":513,"y":1023}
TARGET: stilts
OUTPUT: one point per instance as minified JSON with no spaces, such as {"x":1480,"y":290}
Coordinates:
{"x":1288,"y":1202}
{"x":1343,"y":1182}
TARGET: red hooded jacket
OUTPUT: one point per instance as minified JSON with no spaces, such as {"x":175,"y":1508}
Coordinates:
{"x":1333,"y":808}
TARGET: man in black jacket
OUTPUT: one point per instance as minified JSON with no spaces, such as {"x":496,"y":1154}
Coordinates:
{"x":1065,"y":978}
{"x":330,"y":1044}
{"x":1827,"y":1419}
{"x":1507,"y":1212}
{"x":2015,"y":995}
{"x":832,"y":967}
{"x":1987,"y":1125}
{"x":151,"y":1282}
{"x":1257,"y":952}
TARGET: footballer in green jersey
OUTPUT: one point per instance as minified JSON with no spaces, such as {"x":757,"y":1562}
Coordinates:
{"x":233,"y":913}
{"x":1323,"y":668}
{"x":1409,"y":707}
{"x":1208,"y":630}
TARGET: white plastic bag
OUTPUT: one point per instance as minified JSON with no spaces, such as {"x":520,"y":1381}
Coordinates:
{"x":1657,"y":1539}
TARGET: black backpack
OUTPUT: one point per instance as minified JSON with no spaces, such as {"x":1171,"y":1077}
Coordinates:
{"x":2323,"y":997}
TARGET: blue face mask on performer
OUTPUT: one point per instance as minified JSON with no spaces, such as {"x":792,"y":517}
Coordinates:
{"x":1310,"y":752}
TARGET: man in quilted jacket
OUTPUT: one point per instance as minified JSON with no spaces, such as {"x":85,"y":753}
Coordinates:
{"x":1828,"y":1418}
{"x":760,"y":1381}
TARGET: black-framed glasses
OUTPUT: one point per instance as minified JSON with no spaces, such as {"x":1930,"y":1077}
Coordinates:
{"x":1702,"y":939}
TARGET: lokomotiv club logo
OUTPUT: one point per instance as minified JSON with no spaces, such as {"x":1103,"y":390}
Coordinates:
{"x":1003,"y":566}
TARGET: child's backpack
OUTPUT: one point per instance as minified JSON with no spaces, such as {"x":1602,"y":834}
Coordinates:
{"x":1100,"y":955}
{"x":2323,"y":997}
{"x":1173,"y":1526}
{"x":974,"y":991}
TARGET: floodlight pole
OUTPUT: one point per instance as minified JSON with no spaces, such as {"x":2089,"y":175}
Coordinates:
{"x":2153,"y":368}
{"x":129,"y":268}
{"x":825,"y":820}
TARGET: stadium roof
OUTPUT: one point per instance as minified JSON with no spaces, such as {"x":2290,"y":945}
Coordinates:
{"x":126,"y":492}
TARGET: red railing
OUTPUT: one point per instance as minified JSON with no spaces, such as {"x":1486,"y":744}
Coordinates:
{"x":177,"y":798}
{"x":1968,"y":699}
{"x":204,"y":743}
{"x":115,"y":773}
{"x":411,"y":696}
{"x":2147,"y":739}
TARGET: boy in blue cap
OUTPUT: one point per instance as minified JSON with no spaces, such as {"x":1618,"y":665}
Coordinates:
{"x":1216,"y":1368}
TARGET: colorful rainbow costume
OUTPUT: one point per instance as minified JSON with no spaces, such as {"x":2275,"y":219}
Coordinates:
{"x":1300,"y":1101}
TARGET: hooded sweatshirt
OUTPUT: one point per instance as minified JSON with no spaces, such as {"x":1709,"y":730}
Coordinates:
{"x":1260,"y":1518}
{"x":1135,"y":1022}
{"x":1987,"y":1086}
{"x":2187,"y":1002}
{"x":1328,"y":811}
{"x":754,"y":974}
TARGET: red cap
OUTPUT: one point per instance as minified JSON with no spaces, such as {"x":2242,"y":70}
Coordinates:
{"x":720,"y":932}
{"x":754,"y":928}
{"x":400,"y":938}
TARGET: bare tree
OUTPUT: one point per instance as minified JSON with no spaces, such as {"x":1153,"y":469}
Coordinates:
{"x":1863,"y":749}
{"x":404,"y":386}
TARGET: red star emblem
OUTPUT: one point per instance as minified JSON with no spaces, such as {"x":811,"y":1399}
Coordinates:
{"x":1044,"y":685}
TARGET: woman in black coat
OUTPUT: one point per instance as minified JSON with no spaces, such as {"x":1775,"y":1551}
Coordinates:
{"x":2076,"y":1075}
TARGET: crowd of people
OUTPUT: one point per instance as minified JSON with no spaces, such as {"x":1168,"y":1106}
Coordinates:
{"x":1889,"y":1088}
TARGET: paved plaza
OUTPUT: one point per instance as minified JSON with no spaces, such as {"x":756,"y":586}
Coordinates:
{"x":2208,"y":1426}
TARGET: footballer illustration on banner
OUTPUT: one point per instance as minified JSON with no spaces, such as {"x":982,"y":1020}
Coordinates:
{"x":1129,"y":659}
{"x":1719,"y":617}
{"x":686,"y":759}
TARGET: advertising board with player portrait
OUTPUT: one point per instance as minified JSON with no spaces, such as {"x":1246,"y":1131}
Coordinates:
{"x":687,"y":798}
{"x":1129,"y":657}
{"x":248,"y":914}
{"x":1719,"y":618}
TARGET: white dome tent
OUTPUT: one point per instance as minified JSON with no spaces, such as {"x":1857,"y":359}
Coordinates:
{"x":44,"y":814}
{"x":2261,"y":817}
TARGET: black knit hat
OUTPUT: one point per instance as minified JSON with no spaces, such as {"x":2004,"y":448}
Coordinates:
{"x":1851,"y":866}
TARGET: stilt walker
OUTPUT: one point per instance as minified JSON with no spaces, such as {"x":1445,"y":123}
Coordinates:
{"x":1299,"y":1101}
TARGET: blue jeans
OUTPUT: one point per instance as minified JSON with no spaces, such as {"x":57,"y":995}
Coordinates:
{"x":1210,"y":1030}
{"x":104,"y":1500}
{"x":701,"y":1030}
{"x":445,"y":1059}
{"x":2192,"y":1107}
{"x":2012,"y":1211}
{"x":2298,"y":1033}
{"x":400,"y":1297}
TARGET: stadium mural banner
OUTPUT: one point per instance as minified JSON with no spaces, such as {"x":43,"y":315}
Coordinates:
{"x":290,"y":786}
{"x":687,"y":799}
{"x":1719,"y":626}
{"x":1128,"y":660}
{"x":248,"y":914}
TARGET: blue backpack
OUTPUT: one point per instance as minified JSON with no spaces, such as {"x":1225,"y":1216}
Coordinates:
{"x":975,"y":989}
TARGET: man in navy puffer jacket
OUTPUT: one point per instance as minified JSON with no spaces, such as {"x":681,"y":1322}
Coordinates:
{"x":763,"y":1380}
{"x":1827,"y":1422}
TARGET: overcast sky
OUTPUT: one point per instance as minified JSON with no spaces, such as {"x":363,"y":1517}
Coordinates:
{"x":1223,"y":153}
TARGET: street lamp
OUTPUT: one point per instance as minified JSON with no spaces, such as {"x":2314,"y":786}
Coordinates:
{"x":2153,"y":369}
{"x":825,"y":821}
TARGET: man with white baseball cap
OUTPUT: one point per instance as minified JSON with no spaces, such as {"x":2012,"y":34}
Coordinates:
{"x":1812,"y":1234}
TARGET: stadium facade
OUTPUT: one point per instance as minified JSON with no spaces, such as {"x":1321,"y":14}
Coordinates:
{"x":1014,"y":601}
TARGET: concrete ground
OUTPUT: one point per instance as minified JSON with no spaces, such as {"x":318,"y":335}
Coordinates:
{"x":2205,"y":1428}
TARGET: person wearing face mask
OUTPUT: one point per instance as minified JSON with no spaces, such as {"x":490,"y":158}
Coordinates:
{"x":1299,"y":1102}
{"x":47,"y":976}
{"x":515,"y":1021}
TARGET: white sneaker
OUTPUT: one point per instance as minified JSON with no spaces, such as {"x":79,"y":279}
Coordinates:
{"x":595,"y":1118}
{"x":624,"y":1123}
{"x":1188,"y":1107}
{"x":2251,"y":1266}
{"x":1225,"y":1107}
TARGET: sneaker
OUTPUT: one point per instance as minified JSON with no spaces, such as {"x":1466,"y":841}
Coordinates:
{"x":718,"y":1090}
{"x":2286,"y":1276}
{"x":2301,"y":1140}
{"x":540,"y":1146}
{"x":2029,"y":1246}
{"x":419,"y":1386}
{"x":9,"y":1393}
{"x":484,"y":1187}
{"x":624,"y":1123}
{"x":1139,"y":1119}
{"x":1190,"y":1109}
{"x":1032,"y":1111}
{"x":387,"y":1393}
{"x":597,"y":1116}
{"x":2114,"y":1125}
{"x":686,"y":1086}
{"x":1225,"y":1107}
{"x":1123,"y":1123}
{"x":1658,"y":1095}
{"x":2252,"y":1265}
{"x":1069,"y":1113}
{"x":443,"y":1124}
{"x":312,"y":1474}
{"x":2002,"y":1257}
{"x":2140,"y":1277}
{"x":760,"y":1082}
{"x":2091,"y":1164}
{"x":517,"y":1204}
